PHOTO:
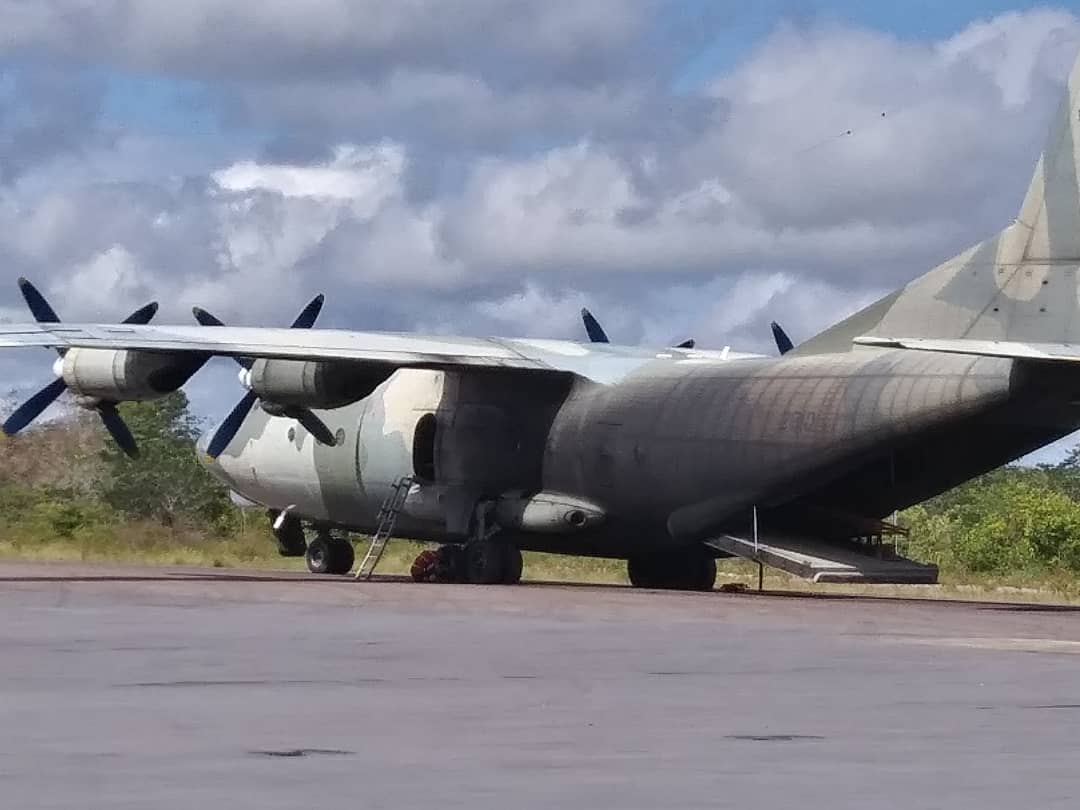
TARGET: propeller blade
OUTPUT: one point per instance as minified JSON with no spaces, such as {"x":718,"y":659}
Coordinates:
{"x":39,"y":307}
{"x":229,"y":428}
{"x":313,"y":425}
{"x":687,"y":344}
{"x":120,"y":432}
{"x":143,"y":315}
{"x":593,"y":328}
{"x":205,"y":318}
{"x":307,"y":317}
{"x":783,"y":342}
{"x":32,"y":408}
{"x":305,"y":320}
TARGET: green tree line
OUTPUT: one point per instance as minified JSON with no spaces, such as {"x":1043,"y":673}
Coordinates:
{"x":66,"y":482}
{"x":1015,"y":520}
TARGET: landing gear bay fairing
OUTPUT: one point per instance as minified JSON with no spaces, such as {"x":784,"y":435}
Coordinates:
{"x":668,"y":458}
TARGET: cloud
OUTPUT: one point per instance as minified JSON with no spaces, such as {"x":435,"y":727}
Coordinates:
{"x":108,"y":279}
{"x":362,"y":175}
{"x":943,"y":132}
{"x":44,"y":112}
{"x":490,"y":173}
{"x":474,"y":73}
{"x":263,"y":39}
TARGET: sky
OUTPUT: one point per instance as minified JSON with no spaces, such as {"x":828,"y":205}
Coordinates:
{"x":488,"y":167}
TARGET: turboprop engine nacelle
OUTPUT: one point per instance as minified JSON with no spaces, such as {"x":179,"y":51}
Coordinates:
{"x":111,"y":375}
{"x":312,"y":384}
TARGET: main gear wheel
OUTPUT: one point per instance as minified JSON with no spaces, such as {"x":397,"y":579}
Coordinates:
{"x":676,"y":571}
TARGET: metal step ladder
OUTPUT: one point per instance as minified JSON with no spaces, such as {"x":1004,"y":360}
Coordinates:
{"x":387,"y":517}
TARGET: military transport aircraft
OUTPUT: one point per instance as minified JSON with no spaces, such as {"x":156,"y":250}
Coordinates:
{"x":666,"y":458}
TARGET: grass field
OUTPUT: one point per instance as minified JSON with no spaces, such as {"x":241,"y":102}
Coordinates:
{"x":152,"y":544}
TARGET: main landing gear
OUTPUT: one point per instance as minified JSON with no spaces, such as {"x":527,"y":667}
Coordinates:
{"x":480,"y":562}
{"x":675,"y":571}
{"x":484,"y":560}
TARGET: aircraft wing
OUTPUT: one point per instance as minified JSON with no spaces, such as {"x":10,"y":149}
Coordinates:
{"x":292,"y":344}
{"x":600,"y":362}
{"x":1062,"y":352}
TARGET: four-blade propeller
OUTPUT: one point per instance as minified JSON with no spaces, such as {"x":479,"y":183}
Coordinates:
{"x":305,"y":416}
{"x":33,"y":407}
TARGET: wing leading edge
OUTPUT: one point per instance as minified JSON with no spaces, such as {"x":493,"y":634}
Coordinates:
{"x":271,"y":343}
{"x":599,"y":362}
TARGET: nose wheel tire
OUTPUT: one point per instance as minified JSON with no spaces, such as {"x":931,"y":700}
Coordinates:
{"x":344,"y":556}
{"x":318,"y":556}
{"x":330,"y":555}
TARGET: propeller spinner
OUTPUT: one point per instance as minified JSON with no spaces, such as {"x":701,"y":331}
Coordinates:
{"x":228,"y":429}
{"x":33,"y":407}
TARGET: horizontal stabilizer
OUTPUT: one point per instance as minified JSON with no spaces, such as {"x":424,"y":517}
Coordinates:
{"x":1063,"y":352}
{"x":820,"y":561}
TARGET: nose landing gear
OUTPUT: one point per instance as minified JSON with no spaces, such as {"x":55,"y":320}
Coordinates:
{"x":289,"y":532}
{"x":328,"y":554}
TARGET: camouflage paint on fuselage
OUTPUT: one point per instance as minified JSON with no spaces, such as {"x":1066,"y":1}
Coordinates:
{"x":277,"y":463}
{"x":675,"y":451}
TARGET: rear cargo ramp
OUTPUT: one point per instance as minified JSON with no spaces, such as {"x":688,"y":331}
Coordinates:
{"x":824,"y":562}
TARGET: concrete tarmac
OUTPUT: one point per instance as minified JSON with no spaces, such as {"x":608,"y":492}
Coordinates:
{"x":136,"y":688}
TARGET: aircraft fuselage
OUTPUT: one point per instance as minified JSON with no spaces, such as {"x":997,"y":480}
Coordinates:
{"x":671,"y":453}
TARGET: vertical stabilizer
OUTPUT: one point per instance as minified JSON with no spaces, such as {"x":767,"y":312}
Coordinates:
{"x":1020,"y":285}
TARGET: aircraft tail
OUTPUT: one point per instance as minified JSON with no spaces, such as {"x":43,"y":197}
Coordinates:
{"x":1021,"y":285}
